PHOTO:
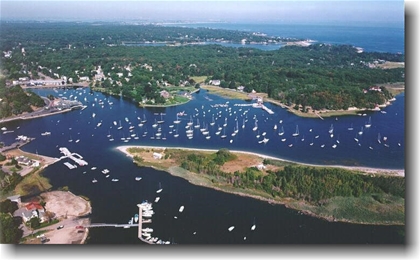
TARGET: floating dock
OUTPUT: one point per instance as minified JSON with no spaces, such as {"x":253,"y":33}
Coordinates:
{"x":74,"y":156}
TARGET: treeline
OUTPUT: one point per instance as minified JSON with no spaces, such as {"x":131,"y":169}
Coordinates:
{"x":319,"y":76}
{"x":312,"y":184}
{"x":14,"y":100}
{"x":62,"y":34}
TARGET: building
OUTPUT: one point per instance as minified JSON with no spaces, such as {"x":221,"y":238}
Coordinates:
{"x":214,"y":82}
{"x":165,"y":94}
{"x":157,"y":156}
{"x":33,"y":210}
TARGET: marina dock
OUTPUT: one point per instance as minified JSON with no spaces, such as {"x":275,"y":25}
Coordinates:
{"x":74,"y":156}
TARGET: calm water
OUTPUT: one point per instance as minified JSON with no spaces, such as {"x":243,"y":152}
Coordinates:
{"x":372,"y":38}
{"x":208,"y":213}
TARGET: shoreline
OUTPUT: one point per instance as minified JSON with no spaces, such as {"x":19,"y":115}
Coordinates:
{"x":205,"y":181}
{"x":371,"y":170}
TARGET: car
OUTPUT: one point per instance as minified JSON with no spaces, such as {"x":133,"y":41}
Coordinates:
{"x":60,"y":227}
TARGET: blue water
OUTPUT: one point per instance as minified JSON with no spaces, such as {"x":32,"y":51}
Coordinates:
{"x":372,"y":38}
{"x":208,"y":213}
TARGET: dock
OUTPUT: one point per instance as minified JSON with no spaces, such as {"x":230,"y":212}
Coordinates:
{"x":141,"y":226}
{"x":74,"y":156}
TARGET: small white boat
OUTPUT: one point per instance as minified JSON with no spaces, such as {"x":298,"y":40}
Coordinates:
{"x":157,"y":199}
{"x":181,"y":209}
{"x":138,"y":178}
{"x":94,"y":181}
{"x":114,"y":180}
{"x":253,"y":227}
{"x":231,"y":228}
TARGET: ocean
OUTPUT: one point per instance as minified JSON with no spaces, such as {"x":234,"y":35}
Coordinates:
{"x":208,"y":213}
{"x":372,"y":38}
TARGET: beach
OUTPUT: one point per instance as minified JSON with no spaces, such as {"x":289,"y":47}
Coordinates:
{"x":395,"y":172}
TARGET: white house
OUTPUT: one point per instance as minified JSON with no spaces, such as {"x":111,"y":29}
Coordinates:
{"x":157,"y":156}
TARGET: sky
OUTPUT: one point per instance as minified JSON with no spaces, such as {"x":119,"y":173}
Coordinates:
{"x":310,"y":11}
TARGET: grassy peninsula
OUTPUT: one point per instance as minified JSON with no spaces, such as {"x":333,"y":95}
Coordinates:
{"x":356,"y":195}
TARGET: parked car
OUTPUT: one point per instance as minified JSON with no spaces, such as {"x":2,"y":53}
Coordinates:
{"x":60,"y":227}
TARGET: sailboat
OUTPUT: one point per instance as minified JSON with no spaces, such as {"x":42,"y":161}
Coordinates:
{"x":256,"y":126}
{"x":361,"y":131}
{"x":160,"y":189}
{"x":331,"y":130}
{"x":224,"y":134}
{"x":297,"y":131}
{"x":379,"y":138}
{"x":369,"y":123}
{"x":282,"y":131}
{"x":120,"y":127}
{"x":212,"y":120}
{"x":177,"y":121}
{"x":161,"y":121}
{"x":350,"y":128}
{"x":144,"y":119}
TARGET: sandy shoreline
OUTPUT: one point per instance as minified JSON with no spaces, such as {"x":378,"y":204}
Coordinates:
{"x":399,"y":172}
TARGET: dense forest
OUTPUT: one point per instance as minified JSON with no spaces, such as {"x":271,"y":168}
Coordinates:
{"x":319,"y":76}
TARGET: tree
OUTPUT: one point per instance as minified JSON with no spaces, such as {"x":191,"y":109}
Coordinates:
{"x":7,"y":206}
{"x":34,"y":222}
{"x":10,"y":232}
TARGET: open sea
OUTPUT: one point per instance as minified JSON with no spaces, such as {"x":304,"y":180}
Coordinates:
{"x":208,"y":213}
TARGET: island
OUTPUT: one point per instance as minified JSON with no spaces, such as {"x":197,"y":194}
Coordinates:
{"x":335,"y":193}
